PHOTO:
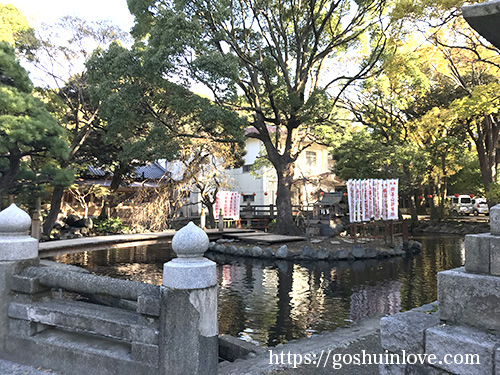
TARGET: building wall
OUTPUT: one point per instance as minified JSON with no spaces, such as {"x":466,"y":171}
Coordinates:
{"x":244,"y":181}
{"x":313,"y":161}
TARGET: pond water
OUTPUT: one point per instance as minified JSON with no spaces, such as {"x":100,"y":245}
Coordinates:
{"x":272,"y":302}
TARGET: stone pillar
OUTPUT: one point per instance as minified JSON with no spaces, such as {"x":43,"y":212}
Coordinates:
{"x":15,"y":248}
{"x":188,"y":321}
{"x":203,"y":219}
{"x":465,"y":322}
{"x":36,"y":223}
{"x":221,"y":221}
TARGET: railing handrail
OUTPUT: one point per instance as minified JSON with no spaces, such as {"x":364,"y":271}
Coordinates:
{"x":87,"y":283}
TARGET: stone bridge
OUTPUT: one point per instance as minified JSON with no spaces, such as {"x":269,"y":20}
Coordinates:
{"x":72,"y":321}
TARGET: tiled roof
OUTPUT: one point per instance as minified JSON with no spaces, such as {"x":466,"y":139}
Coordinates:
{"x":152,"y":171}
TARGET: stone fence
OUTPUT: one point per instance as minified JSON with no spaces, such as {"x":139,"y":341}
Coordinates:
{"x":69,"y":320}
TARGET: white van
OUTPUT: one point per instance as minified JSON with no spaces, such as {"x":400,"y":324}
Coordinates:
{"x":480,"y":206}
{"x":461,"y":205}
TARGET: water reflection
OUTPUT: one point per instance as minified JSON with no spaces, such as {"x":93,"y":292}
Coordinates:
{"x":270,"y":302}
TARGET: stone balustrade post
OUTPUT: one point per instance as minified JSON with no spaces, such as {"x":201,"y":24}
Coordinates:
{"x":188,"y":321}
{"x":16,"y":249}
{"x":221,"y":221}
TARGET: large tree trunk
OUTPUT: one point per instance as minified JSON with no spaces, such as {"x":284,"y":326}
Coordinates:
{"x":9,"y":177}
{"x":284,"y":219}
{"x":111,"y":201}
{"x":434,"y":210}
{"x":411,"y":195}
{"x":413,"y":208}
{"x":210,"y":216}
{"x":443,"y":188}
{"x":55,"y":208}
{"x":486,"y":139}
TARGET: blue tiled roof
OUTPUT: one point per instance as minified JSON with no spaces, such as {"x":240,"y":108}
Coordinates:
{"x":152,"y":171}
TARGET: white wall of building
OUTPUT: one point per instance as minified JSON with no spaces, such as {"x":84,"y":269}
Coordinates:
{"x":311,"y":162}
{"x":245,"y":182}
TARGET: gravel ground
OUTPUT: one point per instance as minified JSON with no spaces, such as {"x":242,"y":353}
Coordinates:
{"x":10,"y":368}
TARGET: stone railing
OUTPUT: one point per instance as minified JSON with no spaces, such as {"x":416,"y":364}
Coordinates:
{"x":69,"y":320}
{"x":459,"y":333}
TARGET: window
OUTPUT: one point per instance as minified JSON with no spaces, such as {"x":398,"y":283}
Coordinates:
{"x":311,"y":158}
{"x":248,"y":198}
{"x":246,"y":168}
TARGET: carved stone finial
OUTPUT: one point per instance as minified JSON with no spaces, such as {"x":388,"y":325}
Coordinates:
{"x":14,"y":221}
{"x":15,"y":244}
{"x":190,"y":270}
{"x":190,"y":242}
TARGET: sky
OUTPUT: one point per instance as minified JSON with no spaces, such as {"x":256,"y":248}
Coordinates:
{"x":50,"y":11}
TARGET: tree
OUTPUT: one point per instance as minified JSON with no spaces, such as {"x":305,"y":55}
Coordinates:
{"x":478,"y":115}
{"x":147,"y":117}
{"x":204,"y":169}
{"x":59,"y":56}
{"x":468,"y":64}
{"x":30,"y":138}
{"x":284,"y":57}
{"x":14,"y":28}
{"x":363,"y":155}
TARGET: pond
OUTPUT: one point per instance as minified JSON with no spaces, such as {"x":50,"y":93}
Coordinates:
{"x":272,"y":302}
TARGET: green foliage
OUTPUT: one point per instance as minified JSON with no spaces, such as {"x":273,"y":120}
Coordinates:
{"x":148,"y":117}
{"x":363,"y":156}
{"x":30,"y":138}
{"x":110,"y":226}
{"x":484,"y":101}
{"x":468,"y":178}
{"x":493,"y":194}
{"x":14,"y":28}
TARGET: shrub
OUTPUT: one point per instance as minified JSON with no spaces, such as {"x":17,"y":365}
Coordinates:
{"x":110,"y":225}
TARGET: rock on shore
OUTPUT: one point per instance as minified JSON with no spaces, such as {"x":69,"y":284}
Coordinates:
{"x":307,"y":252}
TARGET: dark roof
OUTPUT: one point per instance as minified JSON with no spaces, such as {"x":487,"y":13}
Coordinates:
{"x":485,"y":18}
{"x":97,"y":171}
{"x":152,"y":171}
{"x":329,"y":199}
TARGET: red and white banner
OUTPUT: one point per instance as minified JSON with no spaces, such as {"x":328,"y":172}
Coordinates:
{"x":229,"y":202}
{"x":351,"y":200}
{"x":372,"y":199}
{"x":392,"y":208}
{"x":384,"y":199}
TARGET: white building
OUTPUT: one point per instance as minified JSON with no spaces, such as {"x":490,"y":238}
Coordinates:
{"x":313,"y":173}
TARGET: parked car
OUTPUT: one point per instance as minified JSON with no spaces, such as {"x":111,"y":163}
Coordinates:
{"x":461,"y":205}
{"x":480,"y":206}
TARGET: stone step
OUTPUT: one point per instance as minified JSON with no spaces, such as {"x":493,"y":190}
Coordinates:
{"x":89,"y":318}
{"x":469,"y":299}
{"x":463,"y":350}
{"x":77,"y":354}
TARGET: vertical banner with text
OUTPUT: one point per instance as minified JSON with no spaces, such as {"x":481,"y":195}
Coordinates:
{"x":229,"y":202}
{"x":372,"y":199}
